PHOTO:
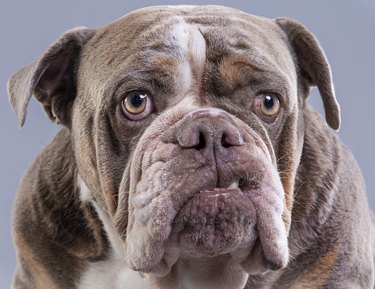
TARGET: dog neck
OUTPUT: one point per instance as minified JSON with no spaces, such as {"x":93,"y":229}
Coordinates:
{"x":203,"y":273}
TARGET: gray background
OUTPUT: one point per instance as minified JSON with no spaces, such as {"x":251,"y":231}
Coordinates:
{"x":344,"y":28}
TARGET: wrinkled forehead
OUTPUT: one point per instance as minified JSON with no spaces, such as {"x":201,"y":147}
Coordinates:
{"x":186,"y":40}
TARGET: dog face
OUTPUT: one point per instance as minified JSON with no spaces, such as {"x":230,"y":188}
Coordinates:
{"x":187,"y":125}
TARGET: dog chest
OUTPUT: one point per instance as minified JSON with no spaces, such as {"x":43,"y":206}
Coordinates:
{"x":111,"y":274}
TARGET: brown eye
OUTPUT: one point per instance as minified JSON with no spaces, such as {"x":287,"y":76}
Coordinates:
{"x":137,"y":105}
{"x":269,"y":105}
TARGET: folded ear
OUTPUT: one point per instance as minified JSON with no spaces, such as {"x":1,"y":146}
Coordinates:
{"x":314,"y":66}
{"x":51,"y":79}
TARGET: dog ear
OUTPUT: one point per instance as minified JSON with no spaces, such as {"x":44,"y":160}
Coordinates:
{"x":314,"y":66}
{"x":51,"y":79}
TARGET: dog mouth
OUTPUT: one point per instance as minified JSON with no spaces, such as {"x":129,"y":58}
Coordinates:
{"x":188,"y":215}
{"x":215,"y":221}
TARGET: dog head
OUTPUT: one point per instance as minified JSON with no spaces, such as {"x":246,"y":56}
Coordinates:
{"x":187,"y":127}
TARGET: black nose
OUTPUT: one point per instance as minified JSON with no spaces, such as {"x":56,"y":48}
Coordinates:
{"x":204,"y":130}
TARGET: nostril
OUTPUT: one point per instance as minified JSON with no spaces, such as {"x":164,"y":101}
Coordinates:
{"x":224,"y":141}
{"x":201,"y":142}
{"x":192,"y":139}
{"x":230,"y":136}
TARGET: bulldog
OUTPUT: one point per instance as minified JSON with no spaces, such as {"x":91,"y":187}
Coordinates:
{"x":188,"y":158}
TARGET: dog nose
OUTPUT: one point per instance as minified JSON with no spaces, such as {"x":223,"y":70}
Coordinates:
{"x":206,"y":131}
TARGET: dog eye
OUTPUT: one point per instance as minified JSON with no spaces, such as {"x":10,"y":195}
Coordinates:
{"x":270,"y":105}
{"x":137,"y":105}
{"x":266,"y":106}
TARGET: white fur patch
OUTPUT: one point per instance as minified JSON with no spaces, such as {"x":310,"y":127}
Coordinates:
{"x":84,"y":192}
{"x":115,"y":241}
{"x":113,"y":273}
{"x":193,"y":48}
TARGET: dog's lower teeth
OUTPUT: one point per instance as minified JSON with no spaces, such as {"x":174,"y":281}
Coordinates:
{"x":234,"y":185}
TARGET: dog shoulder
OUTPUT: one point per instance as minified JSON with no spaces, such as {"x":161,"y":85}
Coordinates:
{"x":51,"y":223}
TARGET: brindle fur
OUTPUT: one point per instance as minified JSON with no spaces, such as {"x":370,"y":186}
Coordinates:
{"x":82,"y":77}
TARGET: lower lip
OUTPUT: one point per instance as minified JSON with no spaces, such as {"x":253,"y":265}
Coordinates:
{"x":219,"y":192}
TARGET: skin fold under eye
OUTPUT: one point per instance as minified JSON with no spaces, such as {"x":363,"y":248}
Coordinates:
{"x":137,"y":105}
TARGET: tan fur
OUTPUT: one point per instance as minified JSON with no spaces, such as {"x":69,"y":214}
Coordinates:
{"x":319,"y":273}
{"x":235,"y":68}
{"x":29,"y":259}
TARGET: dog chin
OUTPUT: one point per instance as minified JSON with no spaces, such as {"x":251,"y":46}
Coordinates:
{"x":214,"y":222}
